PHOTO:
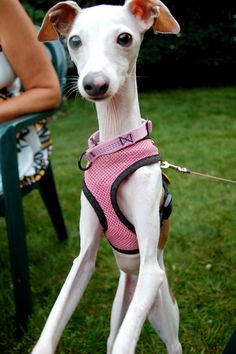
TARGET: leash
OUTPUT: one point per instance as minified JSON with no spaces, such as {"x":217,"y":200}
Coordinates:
{"x":166,"y":165}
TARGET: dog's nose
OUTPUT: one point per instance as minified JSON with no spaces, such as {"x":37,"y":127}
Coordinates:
{"x":96,"y":84}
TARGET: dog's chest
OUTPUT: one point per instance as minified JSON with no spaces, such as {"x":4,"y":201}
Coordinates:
{"x":101,"y":183}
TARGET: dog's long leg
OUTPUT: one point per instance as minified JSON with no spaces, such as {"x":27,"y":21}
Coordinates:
{"x":124,"y":294}
{"x":76,"y":281}
{"x":164,"y":316}
{"x":145,"y":216}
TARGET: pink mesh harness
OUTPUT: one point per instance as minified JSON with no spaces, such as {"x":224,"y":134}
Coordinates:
{"x":110,"y":163}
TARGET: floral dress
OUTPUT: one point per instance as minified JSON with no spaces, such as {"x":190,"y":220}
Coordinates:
{"x":34,"y":143}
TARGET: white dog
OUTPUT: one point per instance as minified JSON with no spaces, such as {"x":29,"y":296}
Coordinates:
{"x":123,"y":194}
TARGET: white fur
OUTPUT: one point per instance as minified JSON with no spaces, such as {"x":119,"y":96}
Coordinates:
{"x":143,"y":289}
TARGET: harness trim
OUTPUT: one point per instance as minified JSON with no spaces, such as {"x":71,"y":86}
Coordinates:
{"x":144,"y":162}
{"x":125,"y":251}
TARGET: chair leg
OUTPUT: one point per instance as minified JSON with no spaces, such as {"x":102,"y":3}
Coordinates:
{"x":19,"y":262}
{"x":16,"y":230}
{"x":49,"y":195}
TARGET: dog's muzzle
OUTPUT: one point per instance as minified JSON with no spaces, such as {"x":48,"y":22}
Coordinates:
{"x":96,"y":85}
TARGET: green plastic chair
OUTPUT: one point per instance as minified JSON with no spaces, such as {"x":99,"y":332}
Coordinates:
{"x":11,"y":199}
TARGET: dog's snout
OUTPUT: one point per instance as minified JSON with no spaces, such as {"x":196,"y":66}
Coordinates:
{"x":96,"y":84}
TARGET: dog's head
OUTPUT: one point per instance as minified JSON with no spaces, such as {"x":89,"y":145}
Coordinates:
{"x":104,"y":41}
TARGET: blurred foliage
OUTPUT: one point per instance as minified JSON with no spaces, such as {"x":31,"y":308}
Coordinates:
{"x":204,"y":53}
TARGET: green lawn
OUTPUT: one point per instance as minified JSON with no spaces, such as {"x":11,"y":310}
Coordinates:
{"x":194,"y":128}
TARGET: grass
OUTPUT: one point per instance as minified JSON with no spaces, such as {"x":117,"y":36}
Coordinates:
{"x":194,"y":128}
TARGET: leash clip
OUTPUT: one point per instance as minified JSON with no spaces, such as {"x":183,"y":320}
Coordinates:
{"x":80,"y":162}
{"x":166,"y":164}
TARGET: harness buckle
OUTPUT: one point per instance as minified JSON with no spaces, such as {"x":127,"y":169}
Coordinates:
{"x":80,"y":162}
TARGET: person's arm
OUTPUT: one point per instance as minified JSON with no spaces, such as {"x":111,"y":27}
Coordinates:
{"x":30,"y":62}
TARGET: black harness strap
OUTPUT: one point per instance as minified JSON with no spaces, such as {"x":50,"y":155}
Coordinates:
{"x":96,"y":206}
{"x":144,"y":162}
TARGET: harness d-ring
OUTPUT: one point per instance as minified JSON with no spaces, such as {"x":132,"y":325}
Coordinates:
{"x":80,"y":162}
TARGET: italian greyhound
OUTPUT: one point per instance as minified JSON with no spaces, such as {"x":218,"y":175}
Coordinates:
{"x":104,"y":43}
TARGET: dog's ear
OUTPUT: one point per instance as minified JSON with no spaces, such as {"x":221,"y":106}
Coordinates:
{"x":154,"y":13}
{"x":58,"y":21}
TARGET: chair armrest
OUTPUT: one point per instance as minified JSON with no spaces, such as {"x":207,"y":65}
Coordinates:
{"x":3,"y":130}
{"x":25,"y":120}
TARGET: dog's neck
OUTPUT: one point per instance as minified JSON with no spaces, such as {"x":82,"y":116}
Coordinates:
{"x":120,"y":113}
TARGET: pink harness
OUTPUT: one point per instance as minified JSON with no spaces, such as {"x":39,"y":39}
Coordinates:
{"x":110,"y":162}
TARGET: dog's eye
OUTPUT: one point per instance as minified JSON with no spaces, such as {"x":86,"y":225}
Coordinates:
{"x":124,"y":39}
{"x":75,"y":42}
